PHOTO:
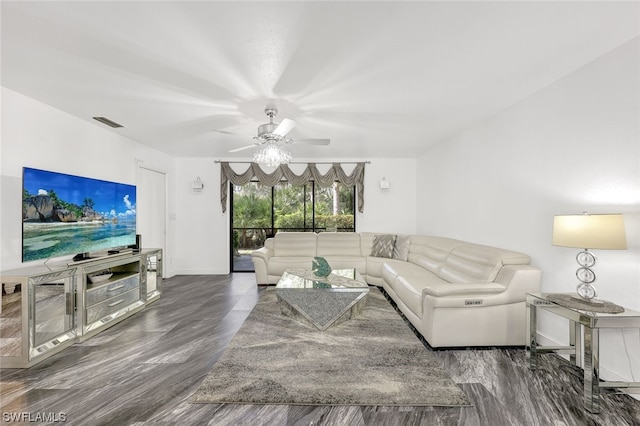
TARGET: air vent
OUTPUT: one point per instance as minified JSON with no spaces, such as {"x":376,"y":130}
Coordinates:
{"x":108,"y":122}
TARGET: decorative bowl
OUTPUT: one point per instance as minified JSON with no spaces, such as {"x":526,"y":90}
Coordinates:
{"x":100,"y":277}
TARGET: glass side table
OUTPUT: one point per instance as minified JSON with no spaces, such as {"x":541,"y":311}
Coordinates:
{"x":592,"y":322}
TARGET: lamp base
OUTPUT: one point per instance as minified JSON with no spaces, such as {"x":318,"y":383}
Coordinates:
{"x":591,"y":302}
{"x":586,"y":290}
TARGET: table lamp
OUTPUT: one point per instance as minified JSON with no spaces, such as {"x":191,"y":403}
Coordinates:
{"x":589,"y":231}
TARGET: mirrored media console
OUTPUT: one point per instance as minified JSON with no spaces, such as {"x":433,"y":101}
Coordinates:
{"x":48,"y":308}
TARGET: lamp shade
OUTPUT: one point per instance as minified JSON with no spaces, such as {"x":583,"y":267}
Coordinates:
{"x":590,"y":231}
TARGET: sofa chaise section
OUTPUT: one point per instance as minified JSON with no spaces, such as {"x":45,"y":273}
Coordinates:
{"x":461,"y":294}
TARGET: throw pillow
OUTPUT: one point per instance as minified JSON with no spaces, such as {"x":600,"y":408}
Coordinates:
{"x":383,"y":245}
{"x":401,"y":247}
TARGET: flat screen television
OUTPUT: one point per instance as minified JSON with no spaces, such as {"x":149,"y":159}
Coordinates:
{"x":64,"y":214}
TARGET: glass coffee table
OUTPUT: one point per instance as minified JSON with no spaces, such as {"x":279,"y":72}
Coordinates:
{"x":321,"y":301}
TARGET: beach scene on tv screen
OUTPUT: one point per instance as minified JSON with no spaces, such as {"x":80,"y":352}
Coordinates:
{"x":64,"y":214}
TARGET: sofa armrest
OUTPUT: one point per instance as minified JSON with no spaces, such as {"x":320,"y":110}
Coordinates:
{"x":260,"y":259}
{"x":262,"y":253}
{"x":520,"y":279}
{"x":266,"y":251}
{"x":463,"y":289}
{"x":511,"y":285}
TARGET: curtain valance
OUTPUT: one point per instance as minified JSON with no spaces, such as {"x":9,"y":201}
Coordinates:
{"x":311,"y":172}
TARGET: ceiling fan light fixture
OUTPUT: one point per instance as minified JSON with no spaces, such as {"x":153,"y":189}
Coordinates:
{"x":272,"y":137}
{"x":265,"y":131}
{"x":272,"y":155}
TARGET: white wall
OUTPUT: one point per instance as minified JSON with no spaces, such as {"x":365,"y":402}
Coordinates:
{"x":393,"y":210}
{"x":572,"y":147}
{"x":202,"y":230}
{"x":37,"y":135}
{"x":202,"y":237}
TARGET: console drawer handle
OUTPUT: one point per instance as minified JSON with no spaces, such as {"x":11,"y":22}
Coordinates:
{"x":118,"y":287}
{"x":117,"y":302}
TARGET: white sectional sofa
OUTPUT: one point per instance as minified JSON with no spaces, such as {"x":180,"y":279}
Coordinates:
{"x":455,"y":293}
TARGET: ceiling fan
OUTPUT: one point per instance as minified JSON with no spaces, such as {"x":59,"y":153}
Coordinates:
{"x":276,"y":134}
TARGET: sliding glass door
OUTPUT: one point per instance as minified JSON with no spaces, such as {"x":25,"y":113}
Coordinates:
{"x":259,"y":212}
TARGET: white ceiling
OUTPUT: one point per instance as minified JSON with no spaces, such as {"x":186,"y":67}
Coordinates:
{"x":380,"y":79}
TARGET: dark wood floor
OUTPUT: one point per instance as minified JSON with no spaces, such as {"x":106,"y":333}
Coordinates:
{"x":145,"y":369}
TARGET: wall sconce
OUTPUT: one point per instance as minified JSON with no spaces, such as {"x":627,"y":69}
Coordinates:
{"x":197,"y":185}
{"x":384,"y":184}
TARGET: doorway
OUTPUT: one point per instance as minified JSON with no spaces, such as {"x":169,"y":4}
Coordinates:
{"x":151,"y":209}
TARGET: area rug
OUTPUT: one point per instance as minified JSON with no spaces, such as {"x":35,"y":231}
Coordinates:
{"x":372,"y":359}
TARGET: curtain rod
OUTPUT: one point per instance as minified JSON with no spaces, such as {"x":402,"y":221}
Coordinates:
{"x":299,"y":162}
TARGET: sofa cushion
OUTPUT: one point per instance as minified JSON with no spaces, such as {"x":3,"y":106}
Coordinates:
{"x":383,"y":245}
{"x":374,"y":269}
{"x":338,"y":244}
{"x":366,"y":242}
{"x":431,"y":252}
{"x":473,"y":263}
{"x":348,"y":262}
{"x":410,"y":294}
{"x":401,"y":247}
{"x":374,"y":266}
{"x":278,"y":264}
{"x":295,"y":244}
{"x":408,"y":281}
{"x":392,"y":269}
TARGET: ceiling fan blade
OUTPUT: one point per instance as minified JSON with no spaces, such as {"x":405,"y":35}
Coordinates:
{"x":226,"y":132}
{"x":313,"y":141}
{"x":244,"y":147}
{"x":284,"y":127}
